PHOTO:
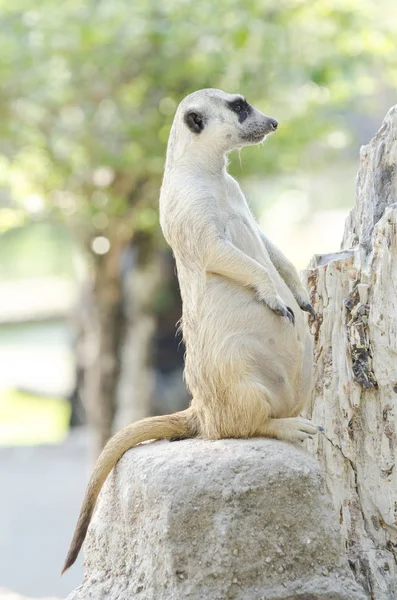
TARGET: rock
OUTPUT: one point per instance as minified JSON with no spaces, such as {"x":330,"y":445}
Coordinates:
{"x":220,"y":520}
{"x":355,"y":387}
{"x":376,"y":185}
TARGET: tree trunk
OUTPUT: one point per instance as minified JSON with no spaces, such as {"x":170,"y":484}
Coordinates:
{"x":141,"y":284}
{"x":170,"y":394}
{"x":127,"y":360}
{"x":104,"y":326}
{"x":355,"y":391}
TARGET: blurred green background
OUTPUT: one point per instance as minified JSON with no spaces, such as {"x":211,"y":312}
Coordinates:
{"x":88,"y":296}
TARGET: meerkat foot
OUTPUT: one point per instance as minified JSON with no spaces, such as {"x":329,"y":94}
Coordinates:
{"x":291,"y":429}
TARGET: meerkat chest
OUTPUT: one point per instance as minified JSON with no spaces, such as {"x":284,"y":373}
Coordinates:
{"x":239,"y":224}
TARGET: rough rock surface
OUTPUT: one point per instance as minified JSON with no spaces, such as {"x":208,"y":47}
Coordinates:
{"x":222,"y":520}
{"x":355,"y":394}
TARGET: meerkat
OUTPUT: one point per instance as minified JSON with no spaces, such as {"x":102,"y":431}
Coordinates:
{"x":248,"y":362}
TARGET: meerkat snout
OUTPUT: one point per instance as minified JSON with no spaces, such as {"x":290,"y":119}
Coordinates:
{"x":257,"y":127}
{"x":269,"y":125}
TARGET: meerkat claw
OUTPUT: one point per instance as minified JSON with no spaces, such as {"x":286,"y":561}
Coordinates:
{"x":308,"y":308}
{"x":285,"y":311}
{"x":291,"y":315}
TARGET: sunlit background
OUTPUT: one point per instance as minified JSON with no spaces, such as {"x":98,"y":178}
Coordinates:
{"x":88,"y":296}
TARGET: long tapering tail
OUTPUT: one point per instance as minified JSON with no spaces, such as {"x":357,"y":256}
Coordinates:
{"x":177,"y":425}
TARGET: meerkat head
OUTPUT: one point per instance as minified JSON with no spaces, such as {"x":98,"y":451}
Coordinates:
{"x":223,"y":122}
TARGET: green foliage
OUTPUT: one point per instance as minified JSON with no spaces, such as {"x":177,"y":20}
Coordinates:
{"x":89,"y":89}
{"x":26,"y":419}
{"x":41,"y":249}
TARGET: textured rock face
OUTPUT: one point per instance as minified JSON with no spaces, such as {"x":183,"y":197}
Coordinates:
{"x":223,"y":520}
{"x":355,"y":395}
{"x":376,"y":185}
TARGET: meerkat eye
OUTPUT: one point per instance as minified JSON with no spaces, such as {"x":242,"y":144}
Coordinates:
{"x":239,"y":106}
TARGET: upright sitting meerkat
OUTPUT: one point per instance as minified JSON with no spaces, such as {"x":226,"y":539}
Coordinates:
{"x":248,"y":347}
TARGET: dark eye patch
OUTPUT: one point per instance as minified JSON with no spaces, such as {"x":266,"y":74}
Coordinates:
{"x":241,"y":107}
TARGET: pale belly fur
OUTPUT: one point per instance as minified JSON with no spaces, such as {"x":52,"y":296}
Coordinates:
{"x":233,"y":340}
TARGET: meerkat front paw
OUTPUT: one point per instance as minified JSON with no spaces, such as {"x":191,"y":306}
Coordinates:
{"x":285,"y":311}
{"x":278,"y":306}
{"x":308,"y":308}
{"x":302,"y":299}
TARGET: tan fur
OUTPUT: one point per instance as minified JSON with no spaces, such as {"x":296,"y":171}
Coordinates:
{"x":178,"y":425}
{"x":247,"y":365}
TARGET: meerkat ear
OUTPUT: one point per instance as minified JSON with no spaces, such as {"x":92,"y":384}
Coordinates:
{"x":194,"y":121}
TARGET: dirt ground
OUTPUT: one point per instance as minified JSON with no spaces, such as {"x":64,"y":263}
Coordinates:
{"x":41,"y":488}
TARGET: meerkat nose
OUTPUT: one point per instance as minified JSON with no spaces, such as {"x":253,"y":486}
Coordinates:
{"x":273,"y":124}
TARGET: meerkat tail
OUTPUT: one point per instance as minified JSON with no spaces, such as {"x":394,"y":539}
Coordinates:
{"x":177,"y":425}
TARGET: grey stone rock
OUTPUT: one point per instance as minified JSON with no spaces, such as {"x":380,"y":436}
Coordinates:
{"x":220,"y":520}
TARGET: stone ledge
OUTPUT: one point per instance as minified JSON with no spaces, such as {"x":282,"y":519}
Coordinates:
{"x":220,"y":520}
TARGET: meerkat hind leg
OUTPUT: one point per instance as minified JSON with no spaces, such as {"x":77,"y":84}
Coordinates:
{"x":289,"y":429}
{"x":248,"y":414}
